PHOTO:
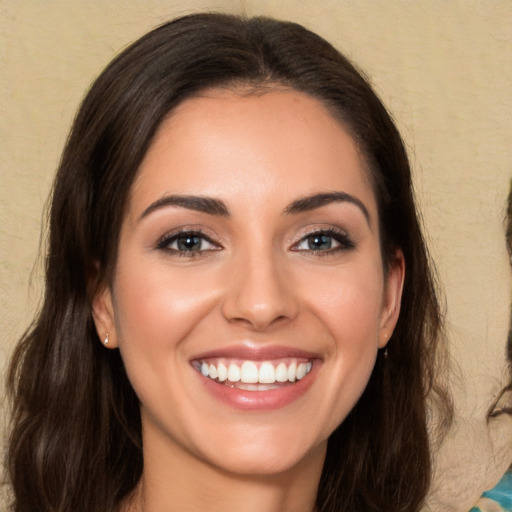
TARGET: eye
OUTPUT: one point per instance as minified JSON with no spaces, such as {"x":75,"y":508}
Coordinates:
{"x":317,"y":242}
{"x":327,"y":240}
{"x":187,"y":243}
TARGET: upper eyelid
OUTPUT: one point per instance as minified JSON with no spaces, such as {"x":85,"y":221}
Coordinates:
{"x":215,"y":239}
{"x":173,"y":235}
{"x":316,"y":230}
{"x":345,"y":239}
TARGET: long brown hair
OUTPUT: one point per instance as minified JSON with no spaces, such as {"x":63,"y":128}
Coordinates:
{"x":75,"y":442}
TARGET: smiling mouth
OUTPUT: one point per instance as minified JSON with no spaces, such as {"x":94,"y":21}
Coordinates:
{"x":254,"y":375}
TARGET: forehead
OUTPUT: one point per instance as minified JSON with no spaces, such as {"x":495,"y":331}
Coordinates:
{"x":249,"y":147}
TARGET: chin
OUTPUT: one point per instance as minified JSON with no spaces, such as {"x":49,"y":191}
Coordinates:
{"x":258,"y":455}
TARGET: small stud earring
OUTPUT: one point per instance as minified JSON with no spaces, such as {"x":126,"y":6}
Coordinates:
{"x":106,"y":339}
{"x":386,"y":339}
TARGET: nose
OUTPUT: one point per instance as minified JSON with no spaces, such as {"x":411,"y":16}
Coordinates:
{"x":260,"y":293}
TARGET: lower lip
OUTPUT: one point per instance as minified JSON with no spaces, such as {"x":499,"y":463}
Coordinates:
{"x":260,"y":400}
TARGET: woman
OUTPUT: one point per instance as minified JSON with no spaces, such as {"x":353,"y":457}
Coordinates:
{"x":239,"y":310}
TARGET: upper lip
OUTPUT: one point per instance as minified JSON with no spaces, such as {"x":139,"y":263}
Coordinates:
{"x":253,"y":352}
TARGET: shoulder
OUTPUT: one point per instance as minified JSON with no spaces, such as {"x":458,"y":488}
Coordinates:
{"x":497,"y":499}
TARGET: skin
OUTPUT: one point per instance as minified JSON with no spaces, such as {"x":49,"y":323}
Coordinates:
{"x":256,"y":281}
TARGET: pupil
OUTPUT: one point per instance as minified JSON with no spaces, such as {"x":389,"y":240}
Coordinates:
{"x":189,"y":243}
{"x":320,"y":242}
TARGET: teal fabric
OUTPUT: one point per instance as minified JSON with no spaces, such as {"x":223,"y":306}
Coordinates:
{"x":499,"y":498}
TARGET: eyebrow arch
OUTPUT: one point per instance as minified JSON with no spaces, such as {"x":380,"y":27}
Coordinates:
{"x":198,"y":203}
{"x":307,"y":203}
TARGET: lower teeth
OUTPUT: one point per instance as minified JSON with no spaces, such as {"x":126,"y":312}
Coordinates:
{"x":253,"y":387}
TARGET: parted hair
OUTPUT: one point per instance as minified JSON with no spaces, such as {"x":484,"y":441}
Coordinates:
{"x":75,"y":433}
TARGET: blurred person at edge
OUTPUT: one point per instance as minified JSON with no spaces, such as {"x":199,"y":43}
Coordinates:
{"x":499,"y":498}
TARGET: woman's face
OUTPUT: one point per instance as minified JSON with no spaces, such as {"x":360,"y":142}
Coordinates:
{"x":249,"y":298}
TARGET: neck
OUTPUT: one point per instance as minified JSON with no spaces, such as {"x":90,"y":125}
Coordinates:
{"x":184,"y":483}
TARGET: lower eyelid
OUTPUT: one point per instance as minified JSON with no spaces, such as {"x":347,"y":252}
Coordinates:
{"x":341,"y":238}
{"x":341,"y":241}
{"x":172,"y":238}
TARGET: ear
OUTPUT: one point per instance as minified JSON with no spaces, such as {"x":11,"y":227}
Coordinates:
{"x":104,"y":317}
{"x":392,"y":298}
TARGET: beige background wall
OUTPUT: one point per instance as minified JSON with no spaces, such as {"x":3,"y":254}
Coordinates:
{"x":444,"y":68}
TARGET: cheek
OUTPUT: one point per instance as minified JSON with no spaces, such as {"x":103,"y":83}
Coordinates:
{"x":155,"y":309}
{"x":348,"y":308}
{"x":150,"y":296}
{"x":349,"y":302}
{"x":352,"y":317}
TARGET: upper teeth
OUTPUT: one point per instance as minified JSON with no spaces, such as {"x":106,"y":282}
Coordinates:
{"x":252,"y":372}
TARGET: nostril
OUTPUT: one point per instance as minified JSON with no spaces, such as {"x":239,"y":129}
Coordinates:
{"x":259,"y":324}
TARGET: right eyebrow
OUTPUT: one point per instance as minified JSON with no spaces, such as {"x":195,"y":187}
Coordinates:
{"x":203,"y":204}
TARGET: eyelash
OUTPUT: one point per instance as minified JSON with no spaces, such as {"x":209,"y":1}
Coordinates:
{"x":341,"y":237}
{"x":164,"y":243}
{"x":345,"y":243}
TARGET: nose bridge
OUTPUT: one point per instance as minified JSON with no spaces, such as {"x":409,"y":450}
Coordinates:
{"x":259,"y":292}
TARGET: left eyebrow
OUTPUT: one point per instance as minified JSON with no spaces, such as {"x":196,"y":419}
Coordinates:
{"x":314,"y":201}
